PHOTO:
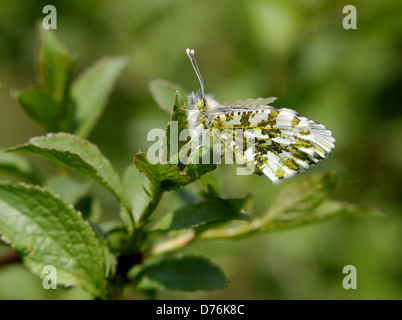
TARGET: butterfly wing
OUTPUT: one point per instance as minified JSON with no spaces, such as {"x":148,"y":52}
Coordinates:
{"x":276,"y":142}
{"x":252,"y":102}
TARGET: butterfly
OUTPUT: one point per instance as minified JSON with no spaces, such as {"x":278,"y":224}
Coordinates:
{"x":275,"y":142}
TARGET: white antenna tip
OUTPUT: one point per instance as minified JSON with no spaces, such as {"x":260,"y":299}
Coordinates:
{"x":191,"y":55}
{"x":190,"y":52}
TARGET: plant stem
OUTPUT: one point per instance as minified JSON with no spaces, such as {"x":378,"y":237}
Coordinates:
{"x":173,"y":244}
{"x":146,"y":213}
{"x":240,"y":231}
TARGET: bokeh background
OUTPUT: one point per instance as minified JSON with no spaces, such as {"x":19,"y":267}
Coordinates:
{"x":349,"y":80}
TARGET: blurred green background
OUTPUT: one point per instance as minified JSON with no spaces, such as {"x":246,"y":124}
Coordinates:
{"x":349,"y":80}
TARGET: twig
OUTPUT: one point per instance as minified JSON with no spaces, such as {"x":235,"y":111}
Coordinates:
{"x":173,"y":244}
{"x":184,"y":240}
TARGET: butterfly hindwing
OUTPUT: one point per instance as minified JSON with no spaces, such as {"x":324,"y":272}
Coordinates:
{"x":275,"y":142}
{"x":252,"y":102}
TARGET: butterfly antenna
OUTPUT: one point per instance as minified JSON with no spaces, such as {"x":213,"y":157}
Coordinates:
{"x":184,"y":109}
{"x":191,"y":55}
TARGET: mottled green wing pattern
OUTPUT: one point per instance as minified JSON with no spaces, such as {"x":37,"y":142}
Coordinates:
{"x":276,"y":142}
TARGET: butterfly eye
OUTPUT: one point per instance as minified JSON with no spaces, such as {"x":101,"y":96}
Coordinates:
{"x":201,"y":104}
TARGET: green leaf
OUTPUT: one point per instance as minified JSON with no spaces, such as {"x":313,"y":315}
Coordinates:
{"x":304,"y":201}
{"x":44,"y":230}
{"x":329,"y":209}
{"x":79,"y":155}
{"x":188,"y":273}
{"x":164,"y":93}
{"x":110,"y":261}
{"x":162,"y":177}
{"x":134,"y":184}
{"x":91,"y":91}
{"x":178,"y":123}
{"x":89,"y":207}
{"x":40,"y":107}
{"x":336,"y":209}
{"x":196,"y":171}
{"x":75,"y":192}
{"x":302,"y":195}
{"x":16,"y":166}
{"x":117,"y":237}
{"x":55,"y":66}
{"x":67,"y":187}
{"x":210,"y":210}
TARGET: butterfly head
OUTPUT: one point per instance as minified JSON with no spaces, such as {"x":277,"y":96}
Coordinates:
{"x":197,"y":100}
